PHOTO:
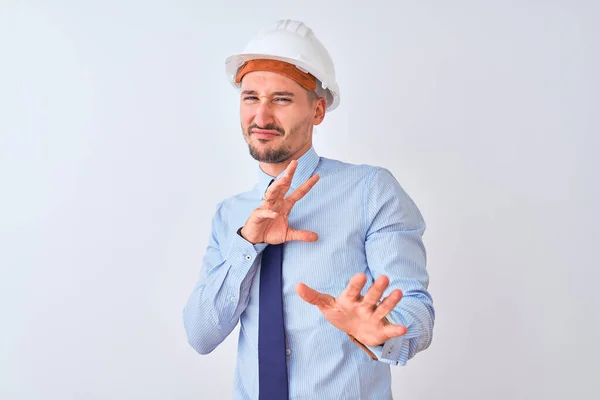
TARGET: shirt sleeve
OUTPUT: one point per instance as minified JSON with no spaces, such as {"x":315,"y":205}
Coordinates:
{"x":394,"y":248}
{"x":222,"y":291}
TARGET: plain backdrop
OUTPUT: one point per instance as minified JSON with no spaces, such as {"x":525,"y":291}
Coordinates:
{"x":119,"y":133}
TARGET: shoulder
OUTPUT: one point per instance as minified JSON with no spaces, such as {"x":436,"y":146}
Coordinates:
{"x":234,"y":201}
{"x":227,"y":210}
{"x":369,"y":174}
{"x":337,"y":167}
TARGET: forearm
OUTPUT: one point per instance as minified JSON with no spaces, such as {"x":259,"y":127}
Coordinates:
{"x":220,"y":296}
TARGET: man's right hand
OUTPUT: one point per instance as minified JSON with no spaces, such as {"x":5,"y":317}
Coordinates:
{"x":269,"y":222}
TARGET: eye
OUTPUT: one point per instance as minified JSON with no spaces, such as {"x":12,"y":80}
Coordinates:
{"x":250,"y":98}
{"x":282,"y":100}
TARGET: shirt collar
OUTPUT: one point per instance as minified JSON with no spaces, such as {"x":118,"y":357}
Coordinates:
{"x":307,"y":163}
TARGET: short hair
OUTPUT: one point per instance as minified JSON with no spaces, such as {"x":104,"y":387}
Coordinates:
{"x":312,"y":95}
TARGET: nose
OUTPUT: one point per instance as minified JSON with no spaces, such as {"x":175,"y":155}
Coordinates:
{"x":264,"y":115}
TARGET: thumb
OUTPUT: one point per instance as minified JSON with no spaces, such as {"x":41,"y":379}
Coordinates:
{"x":303,"y":236}
{"x":313,"y":297}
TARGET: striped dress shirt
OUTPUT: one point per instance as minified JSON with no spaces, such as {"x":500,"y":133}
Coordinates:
{"x":366,"y":223}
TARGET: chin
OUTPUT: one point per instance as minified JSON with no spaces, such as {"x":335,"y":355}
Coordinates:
{"x":268,"y":155}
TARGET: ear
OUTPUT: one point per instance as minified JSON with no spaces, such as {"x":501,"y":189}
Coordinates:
{"x":320,"y":110}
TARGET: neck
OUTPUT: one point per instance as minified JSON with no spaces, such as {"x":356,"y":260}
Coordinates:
{"x":277,"y":168}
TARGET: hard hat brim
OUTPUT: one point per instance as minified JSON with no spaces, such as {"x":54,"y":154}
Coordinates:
{"x":234,"y":62}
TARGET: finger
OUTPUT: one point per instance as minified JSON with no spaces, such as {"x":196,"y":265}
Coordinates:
{"x":313,"y":297}
{"x":355,"y":286}
{"x":264,"y":214}
{"x":303,"y":236}
{"x":376,"y":291}
{"x":303,"y":189}
{"x":280,"y":187}
{"x":388,"y":304}
{"x":291,"y":169}
{"x":276,"y":191}
{"x":392,"y":331}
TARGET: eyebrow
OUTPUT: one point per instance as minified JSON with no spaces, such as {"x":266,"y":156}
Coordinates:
{"x":254,"y":92}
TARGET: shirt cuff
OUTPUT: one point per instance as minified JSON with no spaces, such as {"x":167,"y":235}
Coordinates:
{"x":242,"y":255}
{"x":396,"y":351}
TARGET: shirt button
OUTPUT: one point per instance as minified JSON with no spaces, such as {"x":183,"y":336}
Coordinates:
{"x":288,"y":352}
{"x":232,"y":299}
{"x":248,"y":257}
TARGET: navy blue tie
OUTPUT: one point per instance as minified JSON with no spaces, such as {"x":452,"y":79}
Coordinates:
{"x":272,"y":365}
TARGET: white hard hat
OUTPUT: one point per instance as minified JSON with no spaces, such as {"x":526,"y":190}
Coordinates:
{"x":295,"y":43}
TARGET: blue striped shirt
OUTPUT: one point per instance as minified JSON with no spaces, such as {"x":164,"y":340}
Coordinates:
{"x":366,"y":223}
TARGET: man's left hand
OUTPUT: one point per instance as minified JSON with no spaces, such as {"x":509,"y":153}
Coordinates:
{"x":362,"y":317}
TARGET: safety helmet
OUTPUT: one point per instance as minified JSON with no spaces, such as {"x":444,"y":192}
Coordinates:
{"x":295,"y":43}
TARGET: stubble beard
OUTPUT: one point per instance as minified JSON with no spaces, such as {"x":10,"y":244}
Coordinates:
{"x":276,"y":155}
{"x":270,"y":156}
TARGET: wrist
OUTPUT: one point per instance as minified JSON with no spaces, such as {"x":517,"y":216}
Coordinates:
{"x":239,"y":232}
{"x":363,"y":347}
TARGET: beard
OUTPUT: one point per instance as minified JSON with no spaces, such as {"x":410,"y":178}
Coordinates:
{"x":271,"y":156}
{"x":275,"y":155}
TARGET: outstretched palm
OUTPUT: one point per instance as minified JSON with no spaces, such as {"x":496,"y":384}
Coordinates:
{"x":269,"y":222}
{"x":361,"y":317}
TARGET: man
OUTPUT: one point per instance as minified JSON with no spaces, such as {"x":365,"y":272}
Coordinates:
{"x":322,"y":262}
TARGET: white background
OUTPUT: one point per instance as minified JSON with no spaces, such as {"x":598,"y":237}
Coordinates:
{"x":119,"y":133}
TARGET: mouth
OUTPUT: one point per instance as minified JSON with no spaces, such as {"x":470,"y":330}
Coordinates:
{"x":264,"y":133}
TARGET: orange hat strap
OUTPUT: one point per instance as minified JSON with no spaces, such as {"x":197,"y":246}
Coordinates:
{"x":306,"y":80}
